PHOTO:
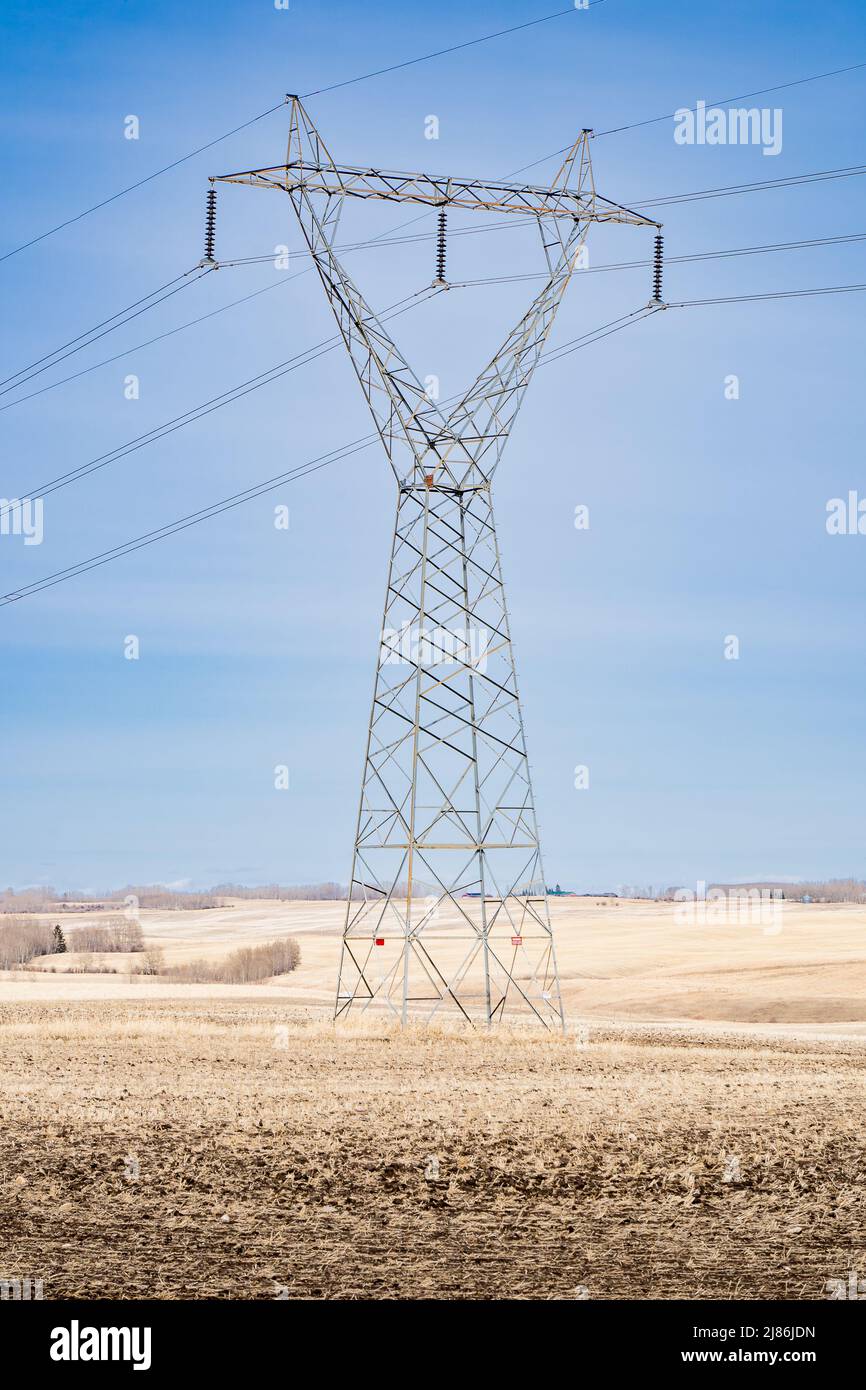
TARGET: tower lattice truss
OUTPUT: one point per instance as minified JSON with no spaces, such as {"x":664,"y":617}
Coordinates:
{"x":447,"y":914}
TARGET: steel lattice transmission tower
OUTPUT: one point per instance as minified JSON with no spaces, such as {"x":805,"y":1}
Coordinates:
{"x":447,"y":909}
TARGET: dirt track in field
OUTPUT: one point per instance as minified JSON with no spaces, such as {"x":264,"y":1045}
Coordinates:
{"x":239,"y":1149}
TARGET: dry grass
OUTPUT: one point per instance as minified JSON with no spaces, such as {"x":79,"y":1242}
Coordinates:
{"x":618,"y":961}
{"x":277,"y":1154}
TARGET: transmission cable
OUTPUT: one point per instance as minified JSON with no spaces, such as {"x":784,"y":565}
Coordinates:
{"x":236,"y":499}
{"x":208,"y":407}
{"x":26,"y":374}
{"x":137,"y":347}
{"x":140,"y":182}
{"x":192,"y":519}
{"x":354,"y":446}
{"x":454,"y":48}
{"x":766,"y":294}
{"x":727,"y":190}
{"x":363,"y":77}
{"x":387,"y":239}
{"x":724,"y":101}
{"x":694,"y":257}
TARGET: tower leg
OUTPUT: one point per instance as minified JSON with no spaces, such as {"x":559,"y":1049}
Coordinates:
{"x":447,"y":916}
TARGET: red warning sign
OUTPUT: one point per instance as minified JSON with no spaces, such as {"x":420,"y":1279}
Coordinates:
{"x":380,"y":941}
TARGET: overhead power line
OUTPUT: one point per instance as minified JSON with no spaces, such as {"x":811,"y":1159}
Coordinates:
{"x":767,"y":294}
{"x":732,"y":252}
{"x":596,"y":335}
{"x":137,"y":347}
{"x":484,"y":280}
{"x":759,"y":185}
{"x":249,"y":494}
{"x":743,"y":96}
{"x":148,"y":178}
{"x":354,"y":446}
{"x":365,"y":77}
{"x":760,"y":249}
{"x":453,"y":48}
{"x":721,"y":101}
{"x":192,"y":519}
{"x":96,"y":326}
{"x":388,"y":239}
{"x":25,"y":374}
{"x":319,"y":91}
{"x":197,"y":412}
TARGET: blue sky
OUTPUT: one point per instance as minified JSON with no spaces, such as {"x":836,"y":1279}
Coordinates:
{"x":257,"y":646}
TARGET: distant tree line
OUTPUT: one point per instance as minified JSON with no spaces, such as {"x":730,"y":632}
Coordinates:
{"x":309,"y":892}
{"x":158,"y":897}
{"x":163,"y":899}
{"x":149,"y":896}
{"x":27,"y":900}
{"x":315,"y":892}
{"x":833,"y":890}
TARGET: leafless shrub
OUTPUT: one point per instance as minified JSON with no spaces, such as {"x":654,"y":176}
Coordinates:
{"x":114,"y":934}
{"x":153,"y":962}
{"x":246,"y":966}
{"x":21,"y":940}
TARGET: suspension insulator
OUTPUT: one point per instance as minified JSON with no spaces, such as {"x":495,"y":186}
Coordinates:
{"x":210,"y":226}
{"x":658,"y":265}
{"x":440,"y":247}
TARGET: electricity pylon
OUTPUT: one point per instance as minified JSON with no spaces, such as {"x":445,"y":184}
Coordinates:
{"x":447,"y":909}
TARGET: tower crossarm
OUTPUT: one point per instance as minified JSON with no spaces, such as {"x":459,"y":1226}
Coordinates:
{"x":428,"y":190}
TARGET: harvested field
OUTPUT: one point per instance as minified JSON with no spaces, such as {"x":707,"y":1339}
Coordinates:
{"x":240,"y":1149}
